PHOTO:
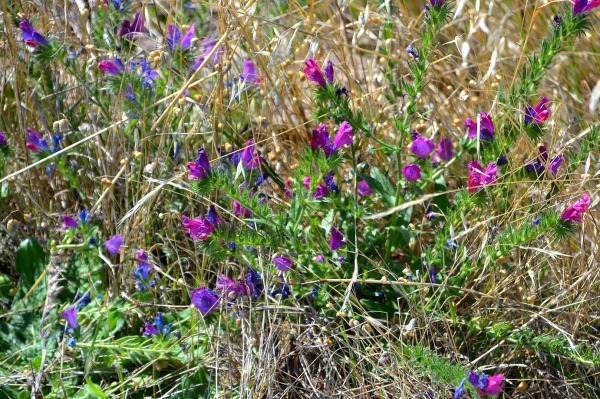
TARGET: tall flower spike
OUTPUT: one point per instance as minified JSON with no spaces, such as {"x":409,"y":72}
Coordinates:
{"x":114,"y":244}
{"x":31,"y":36}
{"x":205,"y":300}
{"x":337,"y":239}
{"x":580,"y":6}
{"x":486,"y":127}
{"x":313,"y":72}
{"x":479,"y":177}
{"x":70,"y":315}
{"x":578,"y":208}
{"x":539,"y":113}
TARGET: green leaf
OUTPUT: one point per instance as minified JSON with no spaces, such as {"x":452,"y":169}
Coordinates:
{"x":94,"y":389}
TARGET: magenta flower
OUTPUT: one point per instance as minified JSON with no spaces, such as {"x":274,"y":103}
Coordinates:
{"x":580,"y":6}
{"x":249,"y":74}
{"x":363,"y":189}
{"x":337,"y":239}
{"x":35,"y":142}
{"x":31,"y":36}
{"x":200,"y":168}
{"x":478,"y":177}
{"x":443,"y":153}
{"x":555,"y":164}
{"x":319,"y":259}
{"x":342,"y":137}
{"x":329,"y":71}
{"x":411,"y":172}
{"x":239,"y":210}
{"x":224,"y":283}
{"x":70,"y":315}
{"x":422,"y":147}
{"x":198,"y":228}
{"x":249,"y":157}
{"x":129,"y":28}
{"x":204,"y":299}
{"x":186,"y":41}
{"x":486,"y":385}
{"x":306,"y":182}
{"x":282,"y":263}
{"x":321,"y":191}
{"x":539,"y":164}
{"x":288,"y":189}
{"x":486,"y":130}
{"x":3,"y":141}
{"x":68,"y":222}
{"x":579,"y":207}
{"x":313,"y":72}
{"x":109,"y":67}
{"x":208,"y":43}
{"x":539,"y":113}
{"x":320,"y":139}
{"x":114,"y":244}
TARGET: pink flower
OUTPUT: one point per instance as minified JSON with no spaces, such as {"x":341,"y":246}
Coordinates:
{"x":478,"y":177}
{"x":422,"y":147}
{"x":411,"y":172}
{"x":314,"y":73}
{"x":342,"y":137}
{"x":486,"y":127}
{"x":578,"y":208}
{"x":539,"y":113}
{"x":363,"y":189}
{"x":486,"y":385}
{"x":580,"y":6}
{"x":198,"y":228}
{"x":109,"y":67}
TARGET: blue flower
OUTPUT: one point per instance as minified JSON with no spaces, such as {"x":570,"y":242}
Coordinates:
{"x":459,"y":392}
{"x":71,"y":342}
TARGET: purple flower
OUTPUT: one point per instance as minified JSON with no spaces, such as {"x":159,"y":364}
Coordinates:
{"x":539,"y":164}
{"x":486,"y":130}
{"x":114,"y":244}
{"x":539,"y":113}
{"x":144,"y":268}
{"x":3,"y":141}
{"x":478,"y":177}
{"x":320,"y":138}
{"x":200,"y":168}
{"x":320,"y":192}
{"x":204,"y":299}
{"x":443,"y":153}
{"x":411,"y":172}
{"x":342,"y":137}
{"x":555,"y":164}
{"x":580,"y":6}
{"x":319,"y":259}
{"x":70,"y":315}
{"x":249,"y":74}
{"x":578,"y":208}
{"x":239,"y":210}
{"x":422,"y":147}
{"x":173,"y":37}
{"x":486,"y":385}
{"x":363,"y":189}
{"x":329,"y":71}
{"x":337,"y":239}
{"x":198,"y":228}
{"x":213,"y":217}
{"x":437,"y":2}
{"x":224,"y":283}
{"x":68,"y":222}
{"x":313,"y":72}
{"x":35,"y":141}
{"x":186,"y":41}
{"x":502,"y":160}
{"x":149,"y":330}
{"x":459,"y":391}
{"x":282,"y":263}
{"x":137,"y":26}
{"x":331,"y":186}
{"x":208,"y":43}
{"x":109,"y":67}
{"x":249,"y":157}
{"x":31,"y":36}
{"x":148,"y":74}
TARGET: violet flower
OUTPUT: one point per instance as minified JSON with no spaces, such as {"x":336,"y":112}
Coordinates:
{"x":437,"y":2}
{"x":329,"y":71}
{"x":363,"y":189}
{"x":283,"y":263}
{"x":249,"y":157}
{"x":239,"y":210}
{"x":35,"y":142}
{"x":113,"y":245}
{"x":328,"y":180}
{"x":3,"y":141}
{"x":206,"y":300}
{"x":313,"y":72}
{"x":249,"y":74}
{"x":208,"y":43}
{"x":174,"y":39}
{"x":129,"y":28}
{"x":422,"y":147}
{"x":320,"y":192}
{"x":539,"y":113}
{"x":109,"y":67}
{"x":69,"y":222}
{"x":443,"y":153}
{"x":539,"y":164}
{"x":578,"y":208}
{"x":342,"y":137}
{"x":411,"y":172}
{"x":478,"y":177}
{"x":581,"y":6}
{"x":320,"y":139}
{"x":70,"y":315}
{"x":149,"y":330}
{"x":148,"y":74}
{"x":31,"y":36}
{"x":486,"y":129}
{"x":459,"y":391}
{"x":198,"y":228}
{"x":486,"y":385}
{"x":200,"y":168}
{"x":337,"y":239}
